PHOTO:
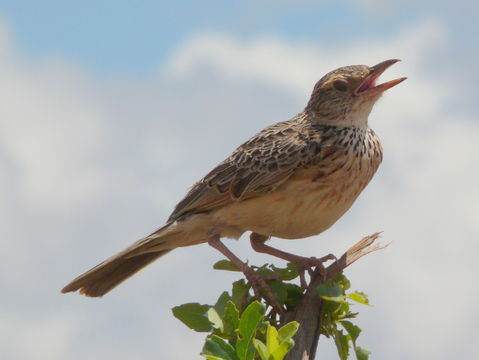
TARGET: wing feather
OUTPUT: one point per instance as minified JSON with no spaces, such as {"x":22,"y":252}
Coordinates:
{"x":258,"y":166}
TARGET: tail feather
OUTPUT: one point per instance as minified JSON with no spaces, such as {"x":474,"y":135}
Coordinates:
{"x":110,"y":273}
{"x":113,"y":271}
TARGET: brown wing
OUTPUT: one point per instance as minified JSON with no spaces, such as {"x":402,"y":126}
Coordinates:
{"x":258,"y":166}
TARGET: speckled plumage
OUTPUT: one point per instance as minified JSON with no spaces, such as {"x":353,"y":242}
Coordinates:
{"x":292,"y":180}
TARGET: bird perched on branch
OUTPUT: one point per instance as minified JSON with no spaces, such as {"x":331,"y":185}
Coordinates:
{"x":291,"y":180}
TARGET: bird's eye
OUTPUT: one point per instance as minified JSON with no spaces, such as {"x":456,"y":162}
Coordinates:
{"x":341,"y":85}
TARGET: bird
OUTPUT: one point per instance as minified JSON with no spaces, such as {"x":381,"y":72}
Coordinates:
{"x":292,"y":180}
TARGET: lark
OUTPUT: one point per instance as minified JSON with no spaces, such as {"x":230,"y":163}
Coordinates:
{"x":292,"y":180}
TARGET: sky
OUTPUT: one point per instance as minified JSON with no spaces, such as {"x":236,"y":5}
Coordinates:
{"x":110,"y":111}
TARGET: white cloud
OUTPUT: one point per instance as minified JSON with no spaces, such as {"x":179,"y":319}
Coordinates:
{"x":87,"y":166}
{"x":51,"y":130}
{"x":296,"y":66}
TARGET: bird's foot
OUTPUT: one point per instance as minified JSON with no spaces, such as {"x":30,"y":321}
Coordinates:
{"x":308,"y":264}
{"x":261,"y":289}
{"x":302,"y":263}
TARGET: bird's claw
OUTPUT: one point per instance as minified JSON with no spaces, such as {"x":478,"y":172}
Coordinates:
{"x":304,"y":264}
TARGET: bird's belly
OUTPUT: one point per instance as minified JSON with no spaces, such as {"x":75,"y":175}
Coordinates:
{"x":302,"y":208}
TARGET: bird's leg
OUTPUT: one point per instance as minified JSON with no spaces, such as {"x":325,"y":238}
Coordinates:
{"x":257,"y":282}
{"x":303,"y":263}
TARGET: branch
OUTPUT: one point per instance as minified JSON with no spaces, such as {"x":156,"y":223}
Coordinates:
{"x":234,"y":322}
{"x":308,"y":312}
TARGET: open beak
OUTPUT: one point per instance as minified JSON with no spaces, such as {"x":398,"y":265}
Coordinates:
{"x":369,"y":87}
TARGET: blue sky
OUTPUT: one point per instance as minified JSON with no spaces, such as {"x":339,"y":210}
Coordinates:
{"x":121,"y":36}
{"x":124,"y":38}
{"x":109,"y":112}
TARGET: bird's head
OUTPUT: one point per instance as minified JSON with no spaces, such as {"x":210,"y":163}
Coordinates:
{"x":345,"y":96}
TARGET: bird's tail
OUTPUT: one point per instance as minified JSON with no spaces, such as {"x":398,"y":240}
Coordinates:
{"x":113,"y":271}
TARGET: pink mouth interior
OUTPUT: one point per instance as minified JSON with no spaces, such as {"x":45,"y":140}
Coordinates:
{"x":368,"y":84}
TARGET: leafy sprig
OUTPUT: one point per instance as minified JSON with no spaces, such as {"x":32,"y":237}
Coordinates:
{"x":241,"y":328}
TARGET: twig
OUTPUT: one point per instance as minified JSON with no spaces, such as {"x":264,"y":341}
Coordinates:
{"x":360,"y":249}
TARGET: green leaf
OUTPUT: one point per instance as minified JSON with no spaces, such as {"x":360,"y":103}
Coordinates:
{"x":362,"y":354}
{"x":331,"y":292}
{"x":249,"y":321}
{"x":263,"y":270}
{"x":262,"y":329}
{"x":261,"y":349}
{"x":272,"y":341}
{"x":216,"y":348}
{"x":225,"y":265}
{"x":279,"y":342}
{"x":211,"y":357}
{"x":221,"y":303}
{"x":331,"y":309}
{"x":280,"y":352}
{"x":353,"y":330}
{"x":230,"y":318}
{"x":359,"y":297}
{"x":342,"y":281}
{"x":215,"y":319}
{"x":294,"y":295}
{"x":342,"y":344}
{"x":286,"y":332}
{"x":286,"y":274}
{"x":193,"y":315}
{"x":240,"y":293}
{"x":343,"y":309}
{"x":279,"y":290}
